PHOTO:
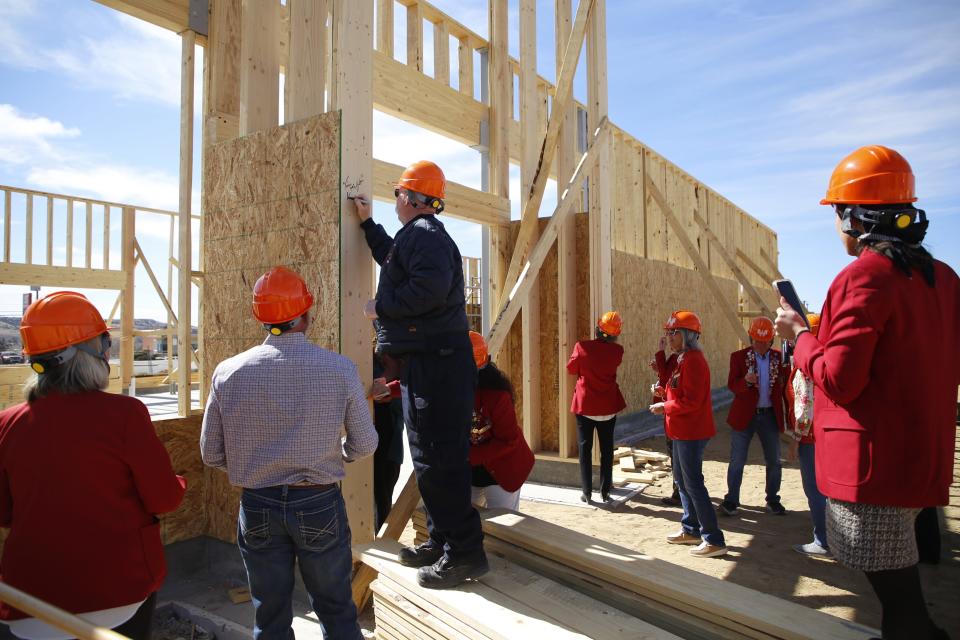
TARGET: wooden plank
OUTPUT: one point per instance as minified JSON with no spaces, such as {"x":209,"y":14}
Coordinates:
{"x":106,"y":236}
{"x":184,"y":248}
{"x":724,"y":304}
{"x":441,"y":53}
{"x":304,"y":82}
{"x":738,"y":608}
{"x":414,"y":37}
{"x":67,"y":277}
{"x":601,"y":256}
{"x":259,"y":66}
{"x":28,"y":225}
{"x":352,"y":81}
{"x":221,"y":73}
{"x":424,"y":619}
{"x":627,"y":464}
{"x":88,"y":236}
{"x":6,"y":225}
{"x":499,"y":78}
{"x":385,"y":27}
{"x":142,"y":258}
{"x":731,"y":263}
{"x":465,"y":67}
{"x":128,"y":268}
{"x":771,"y":264}
{"x":532,"y":200}
{"x":54,"y":615}
{"x":69,"y":232}
{"x":49,"y":234}
{"x":500,"y":327}
{"x":462,"y":202}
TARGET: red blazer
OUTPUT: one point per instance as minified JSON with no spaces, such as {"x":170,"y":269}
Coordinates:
{"x":886,"y":365}
{"x":595,"y":363}
{"x":746,"y":397}
{"x":688,"y":410}
{"x":506,"y":454}
{"x":81,"y":477}
{"x":665,"y":367}
{"x":788,"y":399}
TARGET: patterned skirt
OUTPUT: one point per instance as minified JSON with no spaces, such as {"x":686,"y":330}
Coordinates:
{"x":871,"y":537}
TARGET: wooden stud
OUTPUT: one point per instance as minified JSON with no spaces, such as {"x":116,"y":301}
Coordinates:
{"x":353,"y":88}
{"x":128,"y":267}
{"x":385,"y":27}
{"x":414,"y":37}
{"x":69,"y":232}
{"x":142,"y":259}
{"x":49,"y":231}
{"x":465,"y":67}
{"x":441,"y":53}
{"x":6,"y":225}
{"x":184,"y":248}
{"x":28,"y":247}
{"x":601,"y":267}
{"x":88,"y":236}
{"x":106,"y":236}
{"x":259,"y":66}
{"x":305,"y":82}
{"x":221,"y":78}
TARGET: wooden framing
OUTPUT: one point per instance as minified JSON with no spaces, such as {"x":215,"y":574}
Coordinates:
{"x":185,"y":250}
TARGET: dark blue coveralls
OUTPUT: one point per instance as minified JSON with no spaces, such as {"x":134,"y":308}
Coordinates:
{"x":422,"y":322}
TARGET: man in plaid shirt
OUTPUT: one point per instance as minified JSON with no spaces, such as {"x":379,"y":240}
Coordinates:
{"x":273,"y":422}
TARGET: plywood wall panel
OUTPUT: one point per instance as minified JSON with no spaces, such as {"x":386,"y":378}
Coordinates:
{"x":181,"y":437}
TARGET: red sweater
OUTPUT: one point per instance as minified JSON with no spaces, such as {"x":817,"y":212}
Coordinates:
{"x":81,"y":477}
{"x":886,"y":364}
{"x":506,"y":455}
{"x":595,"y":363}
{"x":746,"y":397}
{"x":688,"y":409}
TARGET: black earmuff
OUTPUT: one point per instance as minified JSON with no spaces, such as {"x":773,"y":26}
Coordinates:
{"x":276,"y":329}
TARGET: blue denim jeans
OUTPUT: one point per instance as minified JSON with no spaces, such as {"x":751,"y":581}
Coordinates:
{"x":699,"y":516}
{"x":815,"y":500}
{"x":765,"y":426}
{"x":281,"y":526}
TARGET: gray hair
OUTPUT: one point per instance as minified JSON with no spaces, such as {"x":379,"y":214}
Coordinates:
{"x":84,"y":372}
{"x":691,"y":340}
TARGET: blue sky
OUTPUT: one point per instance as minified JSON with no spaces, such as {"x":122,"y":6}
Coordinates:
{"x":759,"y":100}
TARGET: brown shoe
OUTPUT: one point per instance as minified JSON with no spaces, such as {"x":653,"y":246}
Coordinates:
{"x":706,"y":550}
{"x":682,"y":537}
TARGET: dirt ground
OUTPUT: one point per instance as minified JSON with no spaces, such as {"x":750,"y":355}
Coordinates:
{"x":760,"y":544}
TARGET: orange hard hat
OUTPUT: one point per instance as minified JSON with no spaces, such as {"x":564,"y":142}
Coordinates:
{"x":480,"y":353}
{"x":59,"y":320}
{"x":610,"y":323}
{"x":813,"y":319}
{"x":424,"y":177}
{"x":683,"y":320}
{"x":761,"y":329}
{"x":280,"y":295}
{"x":871,"y":175}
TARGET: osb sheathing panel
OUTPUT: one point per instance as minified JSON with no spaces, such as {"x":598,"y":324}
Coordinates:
{"x":181,"y":437}
{"x":270,"y":198}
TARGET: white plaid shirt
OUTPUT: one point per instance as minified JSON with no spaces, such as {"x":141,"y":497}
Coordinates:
{"x":276,"y":412}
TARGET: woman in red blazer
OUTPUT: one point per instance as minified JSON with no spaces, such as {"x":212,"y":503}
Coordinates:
{"x":664,"y":367}
{"x":597,"y":400}
{"x":689,"y":423}
{"x":82,"y":475}
{"x":501,"y":459}
{"x":886,"y":371}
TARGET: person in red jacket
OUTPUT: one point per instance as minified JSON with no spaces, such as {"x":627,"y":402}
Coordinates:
{"x":799,"y":395}
{"x":597,"y":400}
{"x":689,"y":423}
{"x":664,"y":367}
{"x":886,"y":372}
{"x":756,"y":377}
{"x":500,"y":458}
{"x":82,"y":477}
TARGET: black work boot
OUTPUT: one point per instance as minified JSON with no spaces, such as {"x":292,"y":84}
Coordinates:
{"x":422,"y":555}
{"x":446,"y":573}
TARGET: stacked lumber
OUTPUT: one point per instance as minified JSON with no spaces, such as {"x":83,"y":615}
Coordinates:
{"x":510,"y":602}
{"x":639,"y":465}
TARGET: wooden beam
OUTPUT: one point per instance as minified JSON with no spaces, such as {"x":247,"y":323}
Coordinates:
{"x":701,"y":266}
{"x":128,"y":264}
{"x":414,"y":37}
{"x":169,"y":14}
{"x":461,"y":202}
{"x":441,"y":52}
{"x":54,"y":615}
{"x":601,"y":254}
{"x":50,"y":232}
{"x":142,"y":259}
{"x":69,"y":232}
{"x":304,"y":82}
{"x":465,"y":67}
{"x":532,"y":200}
{"x":185,"y":251}
{"x":385,"y":27}
{"x":88,"y":237}
{"x":259,"y":66}
{"x":353,"y":96}
{"x":106,"y":236}
{"x":221,"y":73}
{"x":6,"y":226}
{"x":732,"y":265}
{"x":771,"y":263}
{"x":516,"y":297}
{"x":753,"y":265}
{"x":28,"y":224}
{"x":67,"y":277}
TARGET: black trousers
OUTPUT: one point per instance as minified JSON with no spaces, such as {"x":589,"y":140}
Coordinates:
{"x":585,"y":429}
{"x":138,"y":627}
{"x":438,"y":391}
{"x":386,"y":470}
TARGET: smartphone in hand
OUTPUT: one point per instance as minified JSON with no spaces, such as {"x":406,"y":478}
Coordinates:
{"x":789,"y":293}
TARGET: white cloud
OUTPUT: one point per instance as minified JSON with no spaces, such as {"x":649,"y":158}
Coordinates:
{"x":24,"y":138}
{"x":155,"y":189}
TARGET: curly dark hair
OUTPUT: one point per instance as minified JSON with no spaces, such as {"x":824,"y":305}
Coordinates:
{"x":490,"y":377}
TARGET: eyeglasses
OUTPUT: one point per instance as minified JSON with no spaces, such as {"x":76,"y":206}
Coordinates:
{"x":396,"y":193}
{"x":673,"y":332}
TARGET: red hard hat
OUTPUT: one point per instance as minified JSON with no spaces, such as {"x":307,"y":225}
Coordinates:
{"x":59,"y":320}
{"x":761,"y":329}
{"x":480,"y":353}
{"x":871,"y":175}
{"x":610,"y":323}
{"x":424,"y":177}
{"x":280,"y":295}
{"x":683,"y":320}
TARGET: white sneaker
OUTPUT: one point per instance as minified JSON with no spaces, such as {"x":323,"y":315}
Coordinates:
{"x":707,"y":550}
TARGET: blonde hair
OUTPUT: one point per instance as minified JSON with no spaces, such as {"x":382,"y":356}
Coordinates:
{"x":84,"y":372}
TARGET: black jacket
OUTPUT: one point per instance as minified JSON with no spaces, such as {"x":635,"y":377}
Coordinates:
{"x":420,"y":296}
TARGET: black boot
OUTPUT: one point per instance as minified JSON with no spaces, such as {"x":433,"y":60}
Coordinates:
{"x":446,"y":573}
{"x":422,"y":555}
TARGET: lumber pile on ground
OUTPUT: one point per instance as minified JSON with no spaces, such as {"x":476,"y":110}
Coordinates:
{"x":639,"y":465}
{"x":509,"y":602}
{"x":670,"y":597}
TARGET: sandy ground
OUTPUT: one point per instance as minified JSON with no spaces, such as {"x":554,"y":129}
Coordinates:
{"x":760,"y":544}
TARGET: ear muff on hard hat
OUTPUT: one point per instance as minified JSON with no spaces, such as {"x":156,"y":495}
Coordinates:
{"x":280,"y":298}
{"x":610,"y":323}
{"x":431,"y":201}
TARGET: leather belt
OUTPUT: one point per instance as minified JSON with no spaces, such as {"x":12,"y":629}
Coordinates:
{"x":309,"y":485}
{"x":764,"y":410}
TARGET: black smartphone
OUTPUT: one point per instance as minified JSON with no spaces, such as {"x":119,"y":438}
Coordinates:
{"x":785,"y":287}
